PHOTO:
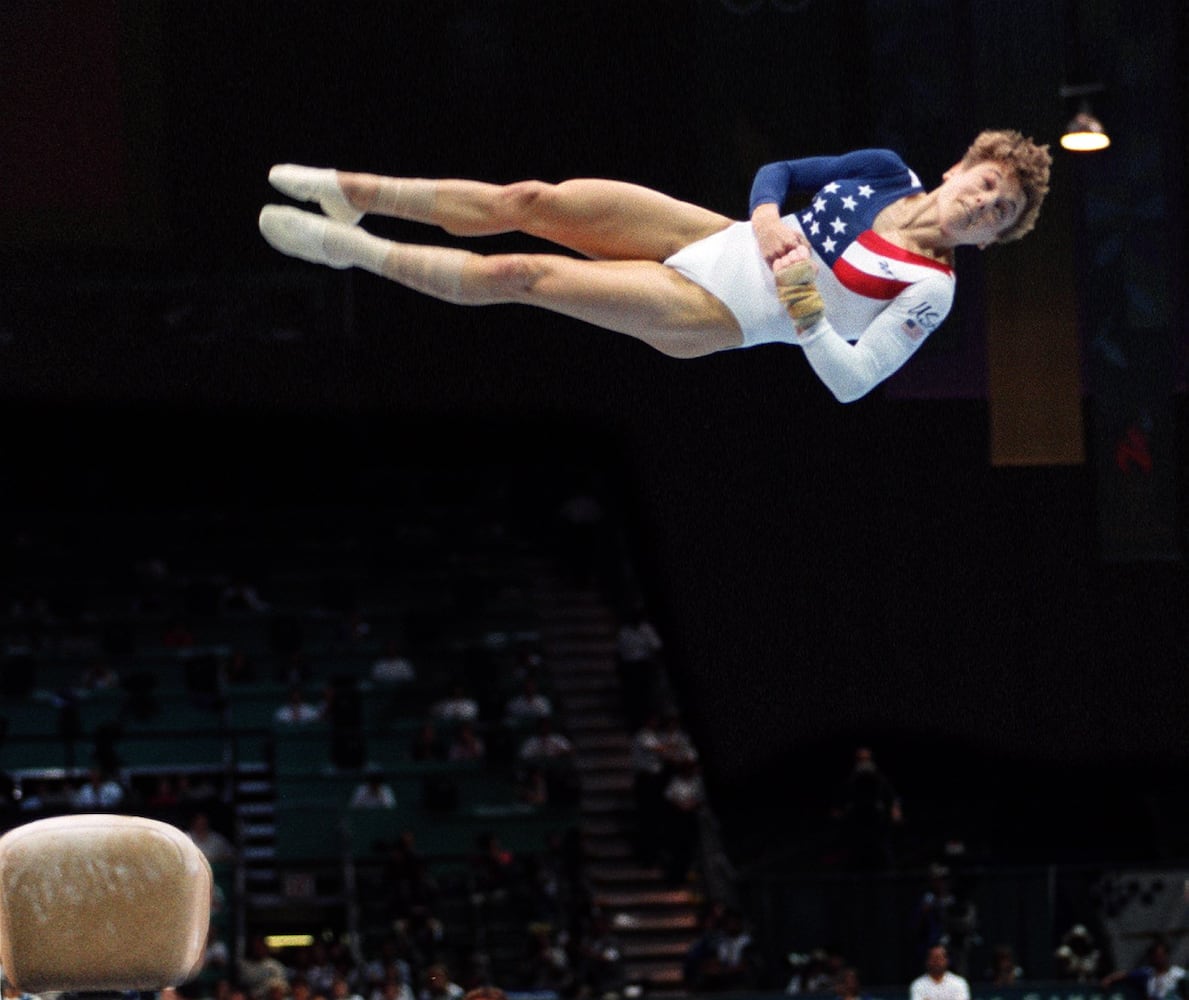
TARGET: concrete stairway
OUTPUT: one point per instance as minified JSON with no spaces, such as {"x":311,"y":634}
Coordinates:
{"x":655,"y":922}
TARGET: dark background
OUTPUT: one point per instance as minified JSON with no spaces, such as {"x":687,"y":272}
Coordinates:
{"x":823,"y":574}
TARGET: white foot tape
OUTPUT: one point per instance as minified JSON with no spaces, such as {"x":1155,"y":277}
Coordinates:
{"x":297,"y":233}
{"x":318,"y":184}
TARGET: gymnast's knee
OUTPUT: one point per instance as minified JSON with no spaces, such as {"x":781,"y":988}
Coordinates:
{"x":504,"y":277}
{"x":521,"y":202}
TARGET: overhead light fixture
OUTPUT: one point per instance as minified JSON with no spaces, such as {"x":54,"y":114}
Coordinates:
{"x":1084,"y":133}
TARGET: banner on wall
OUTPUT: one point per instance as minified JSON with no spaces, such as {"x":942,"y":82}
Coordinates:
{"x":1139,"y":907}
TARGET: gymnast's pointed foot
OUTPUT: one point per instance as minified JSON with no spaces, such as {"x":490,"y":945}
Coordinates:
{"x":315,"y":184}
{"x":300,"y":234}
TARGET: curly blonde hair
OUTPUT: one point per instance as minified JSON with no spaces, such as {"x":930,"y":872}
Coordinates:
{"x":1028,"y":161}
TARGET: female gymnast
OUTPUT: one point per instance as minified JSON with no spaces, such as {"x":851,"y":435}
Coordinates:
{"x":858,"y":277}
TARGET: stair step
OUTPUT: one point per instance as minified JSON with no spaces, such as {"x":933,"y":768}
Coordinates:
{"x":580,"y":627}
{"x":608,"y":700}
{"x":596,"y":721}
{"x":254,"y":787}
{"x":653,"y":923}
{"x":557,"y":649}
{"x":258,"y":831}
{"x":663,"y":973}
{"x":252,"y":767}
{"x":249,"y":809}
{"x":258,"y":853}
{"x":610,"y":741}
{"x":606,"y":805}
{"x":647,"y":898}
{"x":552,"y":612}
{"x":619,"y":848}
{"x":605,"y":764}
{"x":624,"y":873}
{"x":575,"y":664}
{"x":255,"y":874}
{"x":654,"y":950}
{"x":614,"y":781}
{"x":597,"y":825}
{"x":585,"y":683}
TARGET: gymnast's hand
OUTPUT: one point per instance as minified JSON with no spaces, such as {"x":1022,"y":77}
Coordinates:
{"x":780,"y":243}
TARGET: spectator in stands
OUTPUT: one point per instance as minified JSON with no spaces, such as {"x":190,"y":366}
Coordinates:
{"x":545,"y":746}
{"x":547,"y":966}
{"x":259,"y":968}
{"x":48,"y":797}
{"x":867,"y":811}
{"x":528,"y":704}
{"x":196,"y":789}
{"x":100,"y":791}
{"x":494,"y":870}
{"x":701,"y":956}
{"x":600,"y":965}
{"x":467,"y":745}
{"x":340,"y":989}
{"x":438,"y":985}
{"x":726,"y":958}
{"x":1158,"y":977}
{"x":163,"y":800}
{"x":373,"y":793}
{"x":938,"y":983}
{"x":553,"y":754}
{"x":216,"y":959}
{"x":849,"y":985}
{"x":320,"y":972}
{"x":676,"y":747}
{"x":425,"y":744}
{"x":392,"y":666}
{"x":1078,"y":956}
{"x":485,"y":992}
{"x":638,"y":647}
{"x":215,"y":847}
{"x":812,"y":973}
{"x":1004,"y":971}
{"x":648,"y":787}
{"x":240,"y":596}
{"x":385,"y":968}
{"x":423,"y":935}
{"x":932,"y":907}
{"x":99,"y":677}
{"x":276,"y":989}
{"x":457,"y":707}
{"x":392,"y":988}
{"x":297,"y":711}
{"x":684,"y":798}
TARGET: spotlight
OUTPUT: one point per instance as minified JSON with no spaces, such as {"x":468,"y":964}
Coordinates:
{"x":1084,"y":133}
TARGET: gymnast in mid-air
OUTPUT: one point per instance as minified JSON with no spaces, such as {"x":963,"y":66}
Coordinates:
{"x":858,"y":276}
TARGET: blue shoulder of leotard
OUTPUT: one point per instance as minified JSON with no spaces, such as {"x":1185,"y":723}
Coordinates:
{"x":775,"y":181}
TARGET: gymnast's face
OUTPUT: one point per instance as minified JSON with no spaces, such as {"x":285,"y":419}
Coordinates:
{"x":979,"y":202}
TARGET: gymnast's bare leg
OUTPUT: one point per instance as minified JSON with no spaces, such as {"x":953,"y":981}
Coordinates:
{"x":632,"y":229}
{"x":602,"y":219}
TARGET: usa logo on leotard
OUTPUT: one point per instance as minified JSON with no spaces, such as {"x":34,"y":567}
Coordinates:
{"x":877,"y":269}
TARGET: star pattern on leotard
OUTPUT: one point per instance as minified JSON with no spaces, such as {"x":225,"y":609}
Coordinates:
{"x":844,"y":208}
